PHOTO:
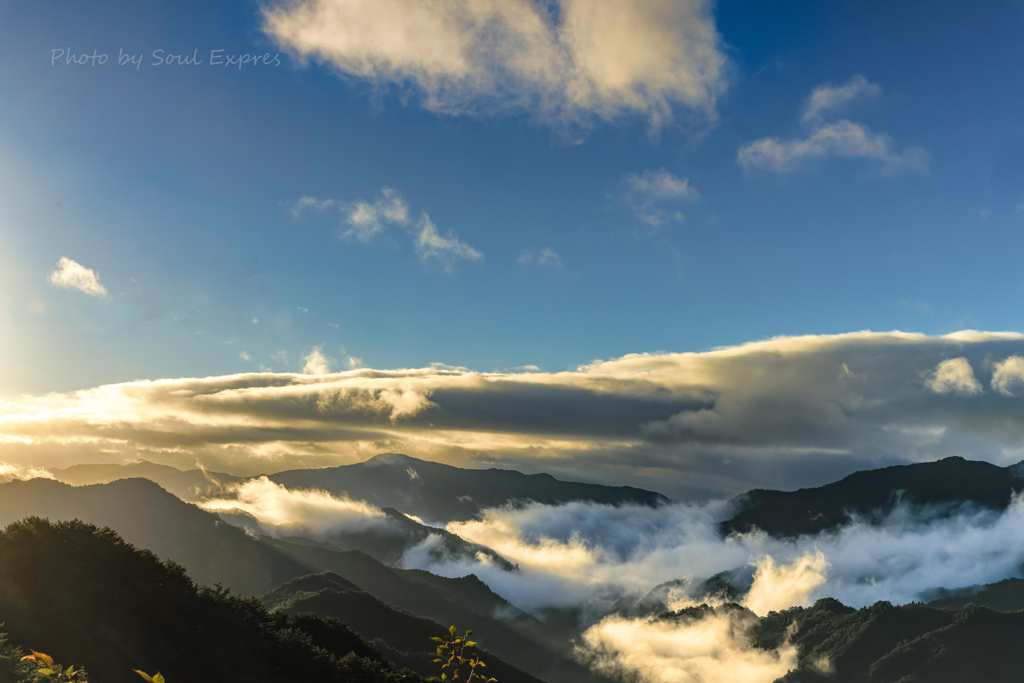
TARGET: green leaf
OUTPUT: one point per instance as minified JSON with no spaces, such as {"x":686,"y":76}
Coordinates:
{"x":46,"y":658}
{"x":144,"y":675}
{"x":436,"y":639}
{"x":451,"y":630}
{"x":470,"y":643}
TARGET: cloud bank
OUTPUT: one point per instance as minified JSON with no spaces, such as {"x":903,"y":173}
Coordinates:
{"x":780,"y":413}
{"x":568,"y":60}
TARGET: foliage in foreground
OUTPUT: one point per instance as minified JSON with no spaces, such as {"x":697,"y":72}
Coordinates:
{"x":86,"y":596}
{"x":458,"y":661}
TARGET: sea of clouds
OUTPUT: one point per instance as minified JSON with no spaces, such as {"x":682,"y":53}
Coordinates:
{"x":603,"y":559}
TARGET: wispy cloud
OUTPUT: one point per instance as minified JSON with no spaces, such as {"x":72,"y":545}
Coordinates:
{"x":363,"y":221}
{"x":73,"y":275}
{"x":828,"y":98}
{"x":283,"y":511}
{"x":843,"y":139}
{"x":571,"y":61}
{"x":653,"y":196}
{"x":446,"y":249}
{"x":547,"y":257}
{"x":368,"y":219}
{"x":782,"y":413}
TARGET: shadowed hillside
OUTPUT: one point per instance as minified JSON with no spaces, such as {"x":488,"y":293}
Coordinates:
{"x":88,"y":598}
{"x":213,"y":551}
{"x":397,"y":634}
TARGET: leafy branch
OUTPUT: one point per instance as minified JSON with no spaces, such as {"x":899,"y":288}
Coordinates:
{"x":453,"y":653}
{"x":46,"y":667}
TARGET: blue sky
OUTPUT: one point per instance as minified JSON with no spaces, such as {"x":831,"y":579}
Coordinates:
{"x":175,"y":184}
{"x":500,"y":186}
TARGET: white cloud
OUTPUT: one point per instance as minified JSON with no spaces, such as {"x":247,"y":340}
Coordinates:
{"x":650,"y":192}
{"x":954,"y":375}
{"x":244,"y":355}
{"x":842,"y":139}
{"x":714,"y":648}
{"x":365,"y":220}
{"x":574,"y":60}
{"x":317,"y":363}
{"x":827,"y":98}
{"x":1008,"y":376}
{"x":281,"y":511}
{"x":368,"y":219}
{"x":430,"y":244}
{"x":547,"y":257}
{"x":313,"y":203}
{"x":779,"y":587}
{"x":361,"y":220}
{"x":73,"y":275}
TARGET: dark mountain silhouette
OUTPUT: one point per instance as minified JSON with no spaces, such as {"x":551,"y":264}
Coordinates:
{"x":84,"y":596}
{"x":443,"y":493}
{"x":941,"y":486}
{"x":1003,"y":596}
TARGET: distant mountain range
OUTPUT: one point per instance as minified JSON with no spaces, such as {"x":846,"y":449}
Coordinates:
{"x":431,"y":491}
{"x":352,"y":575}
{"x":189,"y":485}
{"x":941,"y":486}
{"x":443,"y":493}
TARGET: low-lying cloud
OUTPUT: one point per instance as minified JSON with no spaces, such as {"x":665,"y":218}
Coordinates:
{"x":603,"y":558}
{"x":296,"y":512}
{"x":706,"y":650}
{"x":781,"y":413}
